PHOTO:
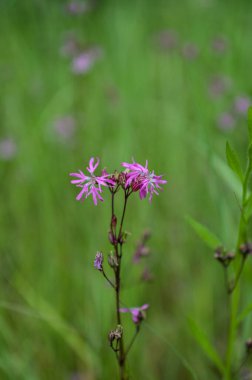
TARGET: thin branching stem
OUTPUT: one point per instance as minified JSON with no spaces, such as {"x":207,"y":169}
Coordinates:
{"x":133,"y":340}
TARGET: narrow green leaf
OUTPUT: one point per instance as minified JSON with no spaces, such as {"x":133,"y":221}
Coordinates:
{"x":233,"y":162}
{"x":207,"y":236}
{"x":250,"y":156}
{"x":205,"y":344}
{"x":230,"y":178}
{"x":244,"y":314}
{"x":250,"y":124}
{"x":248,"y":207}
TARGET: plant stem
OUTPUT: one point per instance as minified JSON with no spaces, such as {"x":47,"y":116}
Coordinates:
{"x":234,"y":291}
{"x":238,"y":275}
{"x":117,"y":270}
{"x":123,"y":214}
{"x":133,"y":340}
{"x":109,"y":281}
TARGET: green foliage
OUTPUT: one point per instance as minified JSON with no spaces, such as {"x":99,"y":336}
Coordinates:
{"x":206,"y":345}
{"x":250,"y":124}
{"x":227,"y":175}
{"x":139,"y":100}
{"x":248,"y":207}
{"x":244,"y":314}
{"x":233,"y":162}
{"x":210,"y":239}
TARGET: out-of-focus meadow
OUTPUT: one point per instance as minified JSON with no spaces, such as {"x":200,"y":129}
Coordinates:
{"x":166,"y":81}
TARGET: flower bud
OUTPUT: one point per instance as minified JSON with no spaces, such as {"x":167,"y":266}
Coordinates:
{"x":223,"y":257}
{"x":98,"y":261}
{"x":123,"y":237}
{"x":114,"y":221}
{"x":112,"y":260}
{"x":112,"y":238}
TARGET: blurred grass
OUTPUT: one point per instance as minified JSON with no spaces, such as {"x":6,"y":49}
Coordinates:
{"x":135,"y":102}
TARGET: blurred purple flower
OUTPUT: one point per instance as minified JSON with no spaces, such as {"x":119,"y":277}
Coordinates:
{"x":77,"y":7}
{"x":142,"y":250}
{"x":140,"y":178}
{"x":65,"y":127}
{"x":91,"y":185}
{"x":241,"y":104}
{"x":190,"y":51}
{"x":226,"y":121}
{"x":220,"y":45}
{"x":8,"y":149}
{"x":98,"y":261}
{"x":83,"y":62}
{"x":147,"y":275}
{"x":167,"y":40}
{"x":70,"y":46}
{"x":219,"y":85}
{"x":138,"y":313}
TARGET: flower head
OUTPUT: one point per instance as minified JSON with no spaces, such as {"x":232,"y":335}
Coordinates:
{"x":137,"y":313}
{"x":91,"y":184}
{"x":219,"y":85}
{"x":65,"y":127}
{"x":140,"y":178}
{"x":167,"y":40}
{"x":190,"y":51}
{"x":98,"y":261}
{"x":83,"y":62}
{"x":226,"y":121}
{"x":8,"y":149}
{"x":77,"y":7}
{"x":220,"y":45}
{"x":241,"y":104}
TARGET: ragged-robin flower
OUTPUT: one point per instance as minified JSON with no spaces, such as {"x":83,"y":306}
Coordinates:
{"x":140,"y":178}
{"x":137,"y":313}
{"x":91,"y":184}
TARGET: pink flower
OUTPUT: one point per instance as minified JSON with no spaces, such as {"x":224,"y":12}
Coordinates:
{"x":91,"y":184}
{"x":220,"y":45}
{"x":190,"y":51}
{"x":137,"y":313}
{"x":242,"y":104}
{"x":226,"y":121}
{"x":65,"y":127}
{"x":77,"y":7}
{"x":83,"y":62}
{"x":140,"y":178}
{"x":8,"y":149}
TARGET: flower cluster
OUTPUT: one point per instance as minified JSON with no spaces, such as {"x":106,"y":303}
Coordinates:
{"x":135,"y":177}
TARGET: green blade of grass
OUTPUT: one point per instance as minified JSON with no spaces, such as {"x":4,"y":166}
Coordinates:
{"x":204,"y":234}
{"x":205,"y":344}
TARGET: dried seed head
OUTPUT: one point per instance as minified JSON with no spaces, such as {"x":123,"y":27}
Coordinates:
{"x":115,"y":334}
{"x":223,"y":257}
{"x":246,"y":248}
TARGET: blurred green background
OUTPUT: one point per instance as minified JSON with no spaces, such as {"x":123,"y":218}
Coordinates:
{"x":166,"y":81}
